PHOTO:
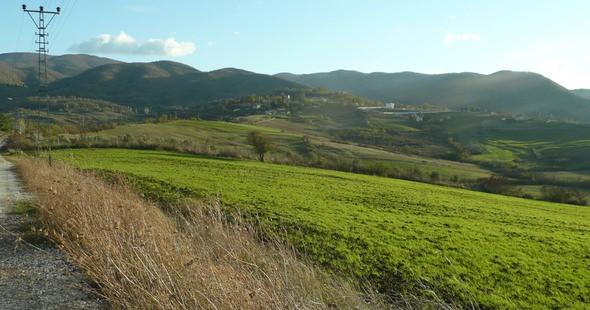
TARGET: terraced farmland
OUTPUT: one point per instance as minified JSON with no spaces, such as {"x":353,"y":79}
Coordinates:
{"x":469,"y":247}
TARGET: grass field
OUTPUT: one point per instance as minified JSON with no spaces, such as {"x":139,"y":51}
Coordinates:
{"x":581,"y":176}
{"x":288,"y":138}
{"x":221,"y":134}
{"x":469,"y":247}
{"x":529,"y":144}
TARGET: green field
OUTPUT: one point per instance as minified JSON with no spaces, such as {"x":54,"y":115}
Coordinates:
{"x":529,"y":144}
{"x":469,"y":247}
{"x":219,"y":134}
{"x":288,"y":140}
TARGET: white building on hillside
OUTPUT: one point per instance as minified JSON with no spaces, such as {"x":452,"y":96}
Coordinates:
{"x":390,"y":105}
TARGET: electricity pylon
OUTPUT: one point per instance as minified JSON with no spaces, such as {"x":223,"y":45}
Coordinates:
{"x":42,"y":50}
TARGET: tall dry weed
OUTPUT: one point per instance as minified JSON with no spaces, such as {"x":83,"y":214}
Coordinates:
{"x":144,"y":259}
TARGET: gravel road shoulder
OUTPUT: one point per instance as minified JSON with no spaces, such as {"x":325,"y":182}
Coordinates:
{"x":35,"y":275}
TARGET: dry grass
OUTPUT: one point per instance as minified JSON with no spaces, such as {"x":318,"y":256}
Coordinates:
{"x":145,"y":259}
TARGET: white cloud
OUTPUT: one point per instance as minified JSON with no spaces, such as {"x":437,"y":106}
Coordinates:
{"x":451,"y":38}
{"x":127,"y":45}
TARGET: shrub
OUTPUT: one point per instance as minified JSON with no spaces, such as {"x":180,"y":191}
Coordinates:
{"x":497,"y":185}
{"x":5,"y":122}
{"x":378,"y":168}
{"x":413,"y":174}
{"x":17,"y":141}
{"x":434,"y":177}
{"x":563,"y":195}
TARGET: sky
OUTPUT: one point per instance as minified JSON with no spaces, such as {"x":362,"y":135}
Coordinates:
{"x":271,"y":36}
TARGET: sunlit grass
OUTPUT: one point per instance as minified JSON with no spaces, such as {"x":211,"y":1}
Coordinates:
{"x":495,"y":251}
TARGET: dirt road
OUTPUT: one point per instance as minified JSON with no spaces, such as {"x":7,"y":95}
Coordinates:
{"x":35,"y":275}
{"x":9,"y":187}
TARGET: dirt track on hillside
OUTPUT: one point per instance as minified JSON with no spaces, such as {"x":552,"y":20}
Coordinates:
{"x":35,"y":275}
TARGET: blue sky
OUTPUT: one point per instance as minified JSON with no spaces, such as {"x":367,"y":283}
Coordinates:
{"x":549,"y":37}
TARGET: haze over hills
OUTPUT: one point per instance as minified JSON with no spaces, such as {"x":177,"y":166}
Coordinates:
{"x":166,"y":84}
{"x":584,"y":93}
{"x":24,"y":66}
{"x":161,"y":84}
{"x":503,"y":91}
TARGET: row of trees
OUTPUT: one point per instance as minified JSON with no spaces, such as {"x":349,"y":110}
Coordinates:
{"x":287,"y":101}
{"x":504,"y":186}
{"x":262,"y":144}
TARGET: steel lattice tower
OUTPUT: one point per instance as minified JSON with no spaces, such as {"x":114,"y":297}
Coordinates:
{"x":42,"y":50}
{"x":42,"y":42}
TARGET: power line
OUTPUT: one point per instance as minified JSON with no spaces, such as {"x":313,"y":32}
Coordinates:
{"x":42,"y":41}
{"x":60,"y":26}
{"x":20,"y":31}
{"x":16,"y":48}
{"x":42,"y":50}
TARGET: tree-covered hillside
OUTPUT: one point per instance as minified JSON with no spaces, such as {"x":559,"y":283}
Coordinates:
{"x":505,"y":91}
{"x":166,"y":84}
{"x":24,"y":66}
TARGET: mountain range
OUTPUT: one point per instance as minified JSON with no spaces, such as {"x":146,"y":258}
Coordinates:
{"x":160,"y":85}
{"x":167,"y":84}
{"x":22,"y":68}
{"x":504,"y":91}
{"x":584,"y":93}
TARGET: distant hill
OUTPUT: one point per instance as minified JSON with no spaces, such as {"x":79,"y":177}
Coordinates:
{"x":8,"y":76}
{"x":584,"y":93}
{"x":162,"y":84}
{"x":166,"y":84}
{"x":504,"y":91}
{"x":24,"y":66}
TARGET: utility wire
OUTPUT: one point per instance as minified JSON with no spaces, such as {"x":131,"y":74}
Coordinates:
{"x":16,"y":47}
{"x":64,"y":8}
{"x":20,"y":31}
{"x":69,"y":11}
